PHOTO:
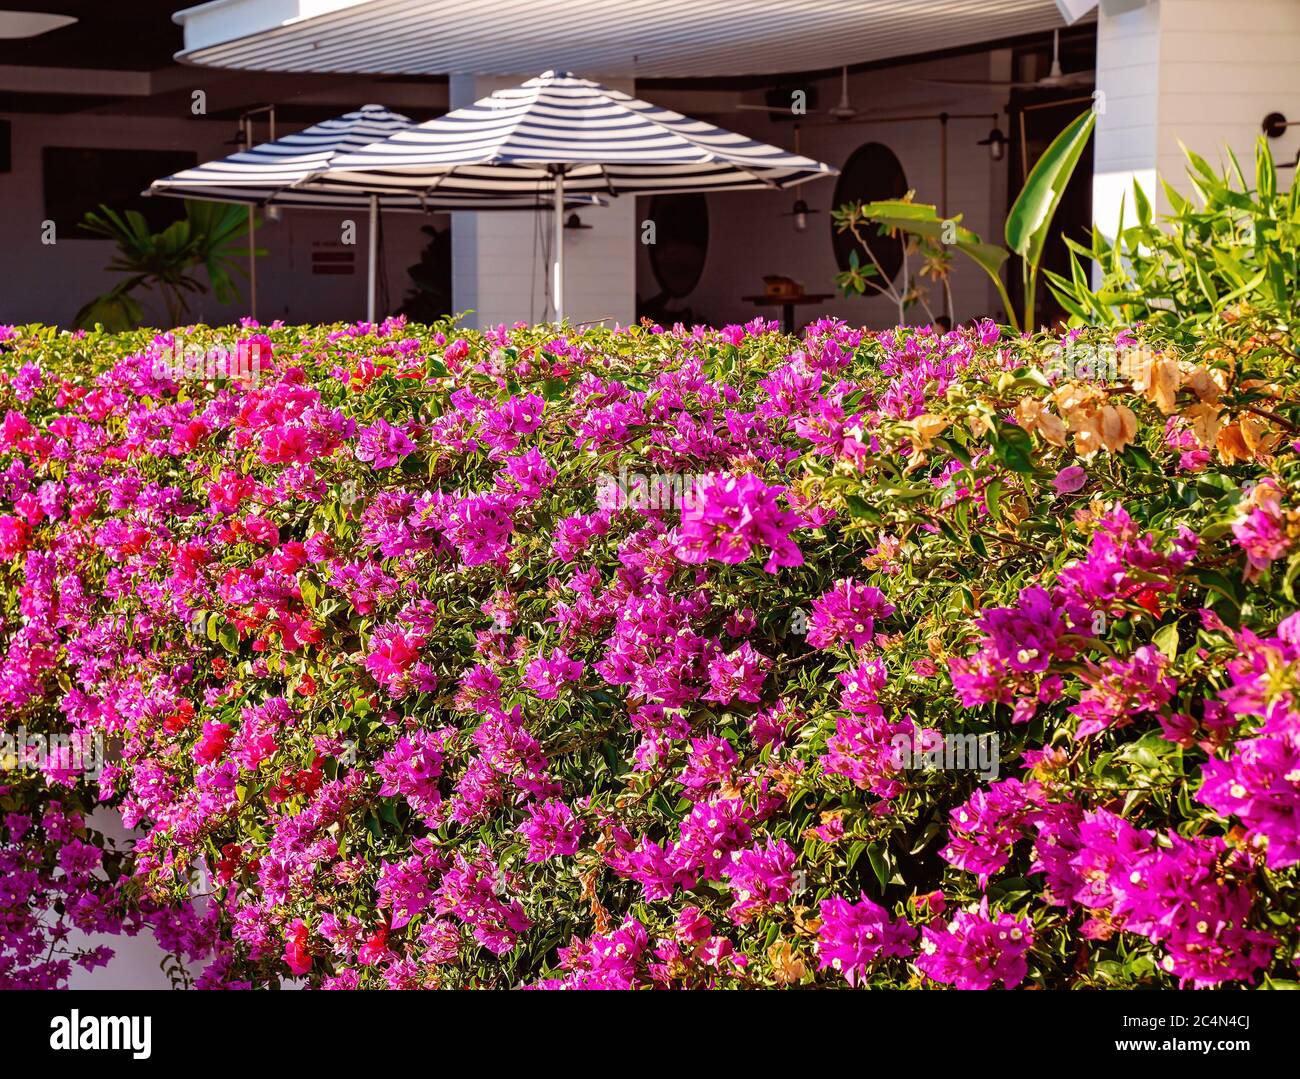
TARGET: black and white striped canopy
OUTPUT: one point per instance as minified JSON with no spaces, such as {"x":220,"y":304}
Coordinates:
{"x":514,"y":143}
{"x":287,"y":172}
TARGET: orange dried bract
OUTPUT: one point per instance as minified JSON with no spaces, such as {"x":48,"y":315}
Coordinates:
{"x":1033,"y":415}
{"x":1232,"y":445}
{"x":787,"y":967}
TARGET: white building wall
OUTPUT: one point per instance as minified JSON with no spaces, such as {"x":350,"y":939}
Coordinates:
{"x":1200,"y":72}
{"x":750,"y":238}
{"x":51,"y":282}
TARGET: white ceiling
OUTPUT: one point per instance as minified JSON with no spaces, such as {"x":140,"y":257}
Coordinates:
{"x":646,"y":38}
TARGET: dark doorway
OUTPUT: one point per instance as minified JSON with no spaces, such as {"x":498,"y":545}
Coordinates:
{"x":1037,"y":115}
{"x":871,"y":173}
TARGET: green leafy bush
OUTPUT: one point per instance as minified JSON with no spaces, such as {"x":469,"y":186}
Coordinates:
{"x":1230,"y":246}
{"x":427,"y":657}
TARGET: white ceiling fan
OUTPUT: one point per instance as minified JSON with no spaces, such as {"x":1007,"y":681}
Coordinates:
{"x":841,"y":111}
{"x":1054,"y":79}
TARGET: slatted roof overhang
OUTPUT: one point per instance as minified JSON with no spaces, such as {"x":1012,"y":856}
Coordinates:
{"x":639,"y":38}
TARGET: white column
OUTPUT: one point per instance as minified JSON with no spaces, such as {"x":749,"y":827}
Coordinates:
{"x":499,"y":261}
{"x":1203,"y":72}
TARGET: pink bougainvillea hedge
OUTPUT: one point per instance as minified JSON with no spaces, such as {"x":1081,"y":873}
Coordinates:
{"x":421,"y":657}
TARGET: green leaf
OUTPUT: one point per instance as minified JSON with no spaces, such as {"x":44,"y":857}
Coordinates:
{"x":1014,"y":447}
{"x":879,"y":864}
{"x":921,"y":219}
{"x":1166,"y":639}
{"x":1030,"y":218}
{"x":1142,"y":204}
{"x":229,"y":638}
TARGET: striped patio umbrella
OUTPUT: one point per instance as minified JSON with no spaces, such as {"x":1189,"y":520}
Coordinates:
{"x":288,"y":172}
{"x":560,"y":134}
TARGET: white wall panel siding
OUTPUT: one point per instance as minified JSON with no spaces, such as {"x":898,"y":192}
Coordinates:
{"x":1203,"y":73}
{"x":634,"y":38}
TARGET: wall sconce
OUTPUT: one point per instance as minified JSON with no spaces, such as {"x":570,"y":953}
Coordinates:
{"x":800,"y":211}
{"x":273,"y":213}
{"x":573,"y":221}
{"x":1275,"y":125}
{"x":997,"y":144}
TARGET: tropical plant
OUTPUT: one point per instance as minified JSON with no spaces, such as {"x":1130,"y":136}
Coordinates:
{"x":166,"y":261}
{"x":1028,"y":227}
{"x":929,"y":237}
{"x":1233,"y":245}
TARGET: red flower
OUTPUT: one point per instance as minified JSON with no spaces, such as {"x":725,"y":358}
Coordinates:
{"x":296,"y":955}
{"x":375,"y":946}
{"x":212,"y":743}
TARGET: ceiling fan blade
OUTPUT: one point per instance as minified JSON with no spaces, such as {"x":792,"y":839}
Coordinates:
{"x":784,"y":110}
{"x":1070,"y":78}
{"x":973,"y":82}
{"x":925,"y":110}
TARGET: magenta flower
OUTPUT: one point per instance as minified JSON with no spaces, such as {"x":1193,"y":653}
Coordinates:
{"x":853,"y":936}
{"x":760,"y":878}
{"x":1173,"y":894}
{"x":480,"y":526}
{"x":551,"y":829}
{"x":412,"y":769}
{"x":1017,"y":649}
{"x":1122,"y":690}
{"x":546,"y":675}
{"x":1124,"y":563}
{"x":1069,"y":479}
{"x":609,"y":961}
{"x":383,"y":445}
{"x":1261,"y":533}
{"x":573,"y":534}
{"x":977,"y":950}
{"x":737,"y":675}
{"x":1260,"y":786}
{"x":711,"y":764}
{"x":983,"y":829}
{"x":531,"y":472}
{"x":772,"y":726}
{"x":393,"y":651}
{"x":14,"y":534}
{"x":847,"y":615}
{"x":728,"y":518}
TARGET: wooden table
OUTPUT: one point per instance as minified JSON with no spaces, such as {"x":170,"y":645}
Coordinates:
{"x":788,"y":304}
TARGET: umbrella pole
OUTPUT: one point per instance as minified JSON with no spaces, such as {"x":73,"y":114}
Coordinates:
{"x":557,"y":287}
{"x":374,"y":258}
{"x":252,"y":263}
